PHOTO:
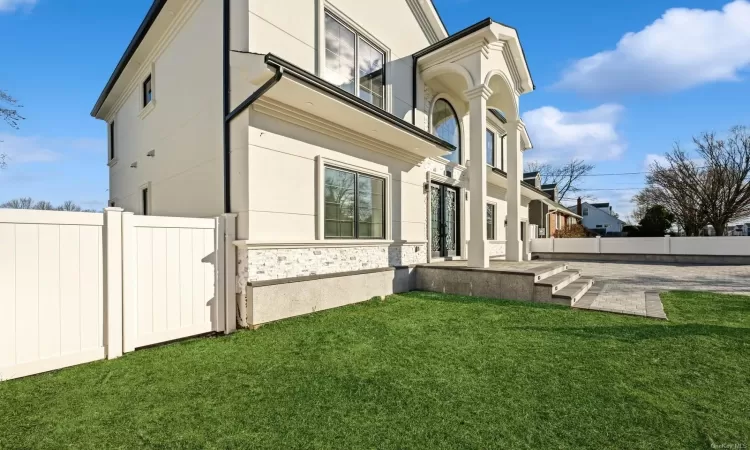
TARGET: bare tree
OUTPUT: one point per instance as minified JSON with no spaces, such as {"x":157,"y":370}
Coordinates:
{"x":711,"y":189}
{"x":19,"y":203}
{"x":9,"y":109}
{"x":69,"y":206}
{"x":568,"y":176}
{"x":9,"y":113}
{"x":29,"y":203}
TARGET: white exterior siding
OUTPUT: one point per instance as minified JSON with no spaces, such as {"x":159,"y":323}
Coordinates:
{"x":183,"y":128}
{"x":596,"y":218}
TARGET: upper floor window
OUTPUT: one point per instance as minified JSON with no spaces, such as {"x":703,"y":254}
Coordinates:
{"x":585,"y":211}
{"x":501,"y":158}
{"x":148,"y":92}
{"x":354,"y":205}
{"x":354,"y":64}
{"x":490,"y":145}
{"x":445,"y":126}
{"x":112,"y":140}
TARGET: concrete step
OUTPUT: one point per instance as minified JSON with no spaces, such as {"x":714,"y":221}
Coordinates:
{"x":544,"y":289}
{"x":574,"y":290}
{"x":547,"y":270}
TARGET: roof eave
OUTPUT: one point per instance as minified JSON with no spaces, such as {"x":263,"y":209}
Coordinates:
{"x":148,"y":21}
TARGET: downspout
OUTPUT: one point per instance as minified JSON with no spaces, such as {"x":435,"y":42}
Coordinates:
{"x":229,"y":116}
{"x":414,"y":59}
{"x":225,"y":107}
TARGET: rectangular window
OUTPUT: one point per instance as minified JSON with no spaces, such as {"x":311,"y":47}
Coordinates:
{"x":354,"y":205}
{"x":147,"y":91}
{"x":490,"y":221}
{"x":585,"y":211}
{"x":112,"y":140}
{"x":144,"y":201}
{"x":354,"y":64}
{"x":490,"y":148}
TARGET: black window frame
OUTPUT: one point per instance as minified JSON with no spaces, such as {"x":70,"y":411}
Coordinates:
{"x":491,"y":222}
{"x":148,"y":95}
{"x":489,"y":133}
{"x":144,"y":201}
{"x":356,"y":204}
{"x":357,"y":36}
{"x":459,"y":144}
{"x":112,"y":140}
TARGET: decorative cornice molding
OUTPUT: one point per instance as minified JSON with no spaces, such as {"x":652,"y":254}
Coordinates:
{"x":477,"y":91}
{"x":423,"y":21}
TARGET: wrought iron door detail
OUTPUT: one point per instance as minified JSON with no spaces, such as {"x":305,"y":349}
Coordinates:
{"x":444,"y":218}
{"x":435,"y":213}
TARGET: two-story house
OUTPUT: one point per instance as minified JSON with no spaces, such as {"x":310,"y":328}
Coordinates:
{"x":599,"y":218}
{"x":345,"y":135}
{"x":548,"y":214}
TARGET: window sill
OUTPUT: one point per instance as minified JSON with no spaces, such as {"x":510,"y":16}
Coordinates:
{"x":112,"y":162}
{"x":146,"y":110}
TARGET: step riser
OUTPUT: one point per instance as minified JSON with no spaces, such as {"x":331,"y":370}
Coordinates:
{"x":544,"y":293}
{"x":554,"y":271}
{"x":579,"y":294}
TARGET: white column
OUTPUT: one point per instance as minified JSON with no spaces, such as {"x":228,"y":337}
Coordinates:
{"x":113,"y":281}
{"x":478,"y":253}
{"x":513,"y":250}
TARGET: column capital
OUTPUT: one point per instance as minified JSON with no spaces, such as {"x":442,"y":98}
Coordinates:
{"x":518,"y":125}
{"x":478,"y":91}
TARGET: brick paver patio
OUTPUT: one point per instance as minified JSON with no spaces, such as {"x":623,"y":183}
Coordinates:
{"x":630,"y":288}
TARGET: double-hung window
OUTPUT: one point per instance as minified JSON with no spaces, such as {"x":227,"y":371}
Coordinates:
{"x":490,"y":146}
{"x":353,"y":63}
{"x":354,"y":205}
{"x":112,"y":140}
{"x":490,"y":221}
{"x":148,"y":92}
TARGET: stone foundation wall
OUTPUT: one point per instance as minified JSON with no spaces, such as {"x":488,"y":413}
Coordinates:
{"x":275,"y":263}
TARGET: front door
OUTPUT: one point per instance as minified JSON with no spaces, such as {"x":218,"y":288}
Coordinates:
{"x":444,"y":211}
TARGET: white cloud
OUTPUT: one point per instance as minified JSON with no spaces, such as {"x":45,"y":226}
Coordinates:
{"x":682,"y":49}
{"x":561,"y":135}
{"x":8,"y":6}
{"x":21,"y":149}
{"x":651,"y":159}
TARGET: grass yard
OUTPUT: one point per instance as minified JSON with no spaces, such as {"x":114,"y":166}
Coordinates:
{"x":414,"y":371}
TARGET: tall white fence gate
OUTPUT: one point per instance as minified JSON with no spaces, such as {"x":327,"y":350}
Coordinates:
{"x":77,"y":287}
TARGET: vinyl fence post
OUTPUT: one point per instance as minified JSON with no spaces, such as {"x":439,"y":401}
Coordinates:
{"x":552,"y":244}
{"x":112,"y":232}
{"x":129,"y":286}
{"x":230,"y":272}
{"x":667,"y":245}
{"x":598,"y":244}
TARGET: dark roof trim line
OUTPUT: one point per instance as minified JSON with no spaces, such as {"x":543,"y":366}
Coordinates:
{"x":318,"y":83}
{"x":148,"y":21}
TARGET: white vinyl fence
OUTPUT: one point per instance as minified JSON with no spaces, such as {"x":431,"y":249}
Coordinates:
{"x":714,"y":246}
{"x":77,"y":287}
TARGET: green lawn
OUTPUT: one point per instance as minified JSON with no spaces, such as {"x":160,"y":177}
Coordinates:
{"x":414,"y":371}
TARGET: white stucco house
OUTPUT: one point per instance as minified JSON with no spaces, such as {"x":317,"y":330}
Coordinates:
{"x":345,"y":135}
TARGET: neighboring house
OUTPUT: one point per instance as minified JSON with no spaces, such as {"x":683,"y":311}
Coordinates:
{"x":340,"y":144}
{"x":547,"y":213}
{"x":599,"y":218}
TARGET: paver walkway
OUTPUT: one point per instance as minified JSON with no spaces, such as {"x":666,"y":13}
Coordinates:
{"x":629,"y":288}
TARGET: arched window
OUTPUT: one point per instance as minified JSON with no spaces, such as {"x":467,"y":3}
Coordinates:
{"x":445,"y":126}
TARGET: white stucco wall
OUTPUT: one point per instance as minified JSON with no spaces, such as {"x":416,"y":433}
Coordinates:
{"x":183,"y":128}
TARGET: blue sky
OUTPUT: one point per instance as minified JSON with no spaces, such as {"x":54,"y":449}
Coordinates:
{"x":618,"y":82}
